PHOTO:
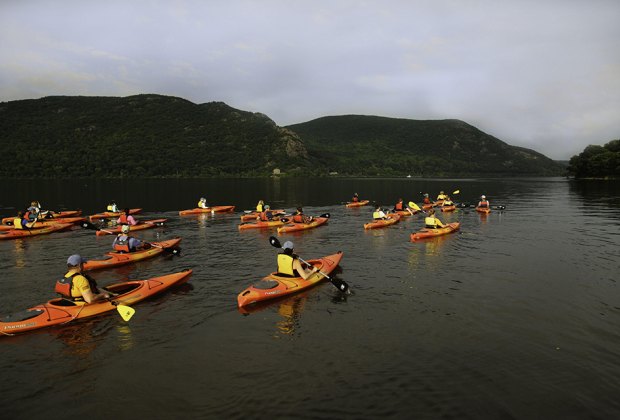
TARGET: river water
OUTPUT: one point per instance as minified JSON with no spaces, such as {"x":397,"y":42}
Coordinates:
{"x":516,"y":316}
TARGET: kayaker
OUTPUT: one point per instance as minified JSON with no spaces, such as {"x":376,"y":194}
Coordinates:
{"x":447,"y":202}
{"x":441,"y":196}
{"x":76,"y":286}
{"x":355,"y":198}
{"x":125,"y":243}
{"x":113,"y":207}
{"x":289,"y":264}
{"x":126,"y":219}
{"x":33,"y":212}
{"x":202,"y":203}
{"x":266,"y":215}
{"x":432,"y":222}
{"x":483,"y":203}
{"x":20,"y":222}
{"x":260,"y":206}
{"x":426,"y":199}
{"x":300,"y":217}
{"x":378,"y":214}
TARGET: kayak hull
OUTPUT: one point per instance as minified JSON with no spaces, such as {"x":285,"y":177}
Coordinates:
{"x":425,"y":233}
{"x":261,"y":225}
{"x":60,"y":311}
{"x":274,"y":286}
{"x":47,"y":222}
{"x":50,"y":215}
{"x":111,"y":214}
{"x":114,"y":259}
{"x":448,"y":208}
{"x":358,"y":204}
{"x":144,"y":224}
{"x":376,"y":224}
{"x":483,"y":210}
{"x":214,"y":209}
{"x":295,"y":227}
{"x":249,"y":217}
{"x":25,"y":233}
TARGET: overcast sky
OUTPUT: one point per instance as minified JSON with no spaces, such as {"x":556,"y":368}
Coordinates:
{"x":543,"y":74}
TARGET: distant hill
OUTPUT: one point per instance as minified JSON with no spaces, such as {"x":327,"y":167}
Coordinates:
{"x":163,"y":136}
{"x":142,"y":136}
{"x":370,"y":145}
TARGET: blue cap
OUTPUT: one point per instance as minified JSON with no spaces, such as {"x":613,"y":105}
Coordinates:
{"x":75,"y":260}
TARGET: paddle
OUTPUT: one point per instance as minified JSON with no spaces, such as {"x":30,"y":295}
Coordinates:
{"x":125,"y":311}
{"x":339,"y":284}
{"x":415,"y":207}
{"x":456,"y":192}
{"x":88,"y":225}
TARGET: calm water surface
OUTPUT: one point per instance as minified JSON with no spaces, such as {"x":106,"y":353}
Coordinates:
{"x":516,"y":316}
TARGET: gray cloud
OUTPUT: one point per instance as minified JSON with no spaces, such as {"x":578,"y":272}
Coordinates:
{"x":544,"y":75}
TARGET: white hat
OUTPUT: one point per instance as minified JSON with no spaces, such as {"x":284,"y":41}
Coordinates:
{"x":287,"y":245}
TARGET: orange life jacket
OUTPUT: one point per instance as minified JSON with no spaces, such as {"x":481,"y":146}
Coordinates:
{"x":122,"y":243}
{"x":64,"y":285}
{"x":123,"y":219}
{"x":399,"y":206}
{"x":298,"y":218}
{"x":483,"y":204}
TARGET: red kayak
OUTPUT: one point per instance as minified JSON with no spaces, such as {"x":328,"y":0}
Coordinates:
{"x":214,"y":209}
{"x":358,"y":203}
{"x":24,"y":233}
{"x":144,"y":224}
{"x":295,"y":227}
{"x":60,"y":311}
{"x":430,"y":233}
{"x":114,"y":258}
{"x":112,"y":214}
{"x":275,"y":286}
{"x":375,"y":224}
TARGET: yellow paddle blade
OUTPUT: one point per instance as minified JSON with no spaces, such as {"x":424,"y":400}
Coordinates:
{"x":456,"y":192}
{"x":414,"y":206}
{"x":125,"y":311}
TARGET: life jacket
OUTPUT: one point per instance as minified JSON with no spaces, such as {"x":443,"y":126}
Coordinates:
{"x":426,"y":200}
{"x":285,"y":265}
{"x":123,"y":219}
{"x":110,"y":207}
{"x":377,"y":215}
{"x":355,"y":199}
{"x":260,"y":208}
{"x":483,"y":204}
{"x":266,"y":216}
{"x":64,"y":285}
{"x":122,"y":243}
{"x":298,"y":218}
{"x":17,"y":223}
{"x":398,"y":206}
{"x":447,"y":203}
{"x":430,"y":222}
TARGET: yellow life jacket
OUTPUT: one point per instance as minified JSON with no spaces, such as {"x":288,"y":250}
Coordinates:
{"x":259,"y":208}
{"x":285,"y":265}
{"x":377,"y":215}
{"x":110,"y":207}
{"x":17,"y":223}
{"x":430,"y":222}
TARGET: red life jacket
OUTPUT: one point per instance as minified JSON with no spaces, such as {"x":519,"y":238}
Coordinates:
{"x":122,"y":244}
{"x":427,"y":200}
{"x":123,"y":219}
{"x":298,"y":218}
{"x":64,"y":285}
{"x":355,"y":199}
{"x":398,"y":206}
{"x":483,"y":204}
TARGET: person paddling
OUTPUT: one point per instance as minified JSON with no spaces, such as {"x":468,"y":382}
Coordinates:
{"x":260,"y":206}
{"x":432,"y":222}
{"x":378,"y":214}
{"x":76,"y":286}
{"x":125,"y":243}
{"x":113,"y":207}
{"x":300,"y":217}
{"x":289,"y":264}
{"x":202,"y":203}
{"x":484,"y":203}
{"x":126,"y":219}
{"x":356,"y":198}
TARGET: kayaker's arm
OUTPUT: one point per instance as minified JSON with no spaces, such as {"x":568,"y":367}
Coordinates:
{"x":298,"y":266}
{"x":90,"y":297}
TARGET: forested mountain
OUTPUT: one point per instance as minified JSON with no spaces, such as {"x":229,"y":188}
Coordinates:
{"x":163,"y":136}
{"x":597,"y":161}
{"x":142,"y":136}
{"x":356,"y":144}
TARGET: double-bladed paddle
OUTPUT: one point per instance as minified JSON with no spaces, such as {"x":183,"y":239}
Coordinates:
{"x":339,"y":284}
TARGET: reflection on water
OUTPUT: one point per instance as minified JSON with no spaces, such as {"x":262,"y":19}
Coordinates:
{"x":125,"y":339}
{"x":19,"y":249}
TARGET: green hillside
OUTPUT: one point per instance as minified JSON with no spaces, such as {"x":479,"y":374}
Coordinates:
{"x":369,"y":145}
{"x":142,"y":136}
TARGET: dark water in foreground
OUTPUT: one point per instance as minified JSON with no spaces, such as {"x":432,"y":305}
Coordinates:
{"x":516,"y":316}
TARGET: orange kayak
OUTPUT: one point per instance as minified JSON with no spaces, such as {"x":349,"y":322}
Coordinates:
{"x":294,"y":227}
{"x":144,"y":224}
{"x":47,"y":222}
{"x":249,"y":217}
{"x":114,"y":258}
{"x":448,"y":208}
{"x":375,"y":224}
{"x":275,"y":286}
{"x":429,"y":233}
{"x":24,"y":233}
{"x":112,"y":214}
{"x":405,"y":213}
{"x":60,"y":310}
{"x":262,"y":225}
{"x":214,"y":209}
{"x":50,"y":215}
{"x":484,"y":210}
{"x":358,"y":204}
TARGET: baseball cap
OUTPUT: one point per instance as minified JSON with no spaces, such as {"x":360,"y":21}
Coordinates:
{"x":75,"y":260}
{"x":288,"y":245}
